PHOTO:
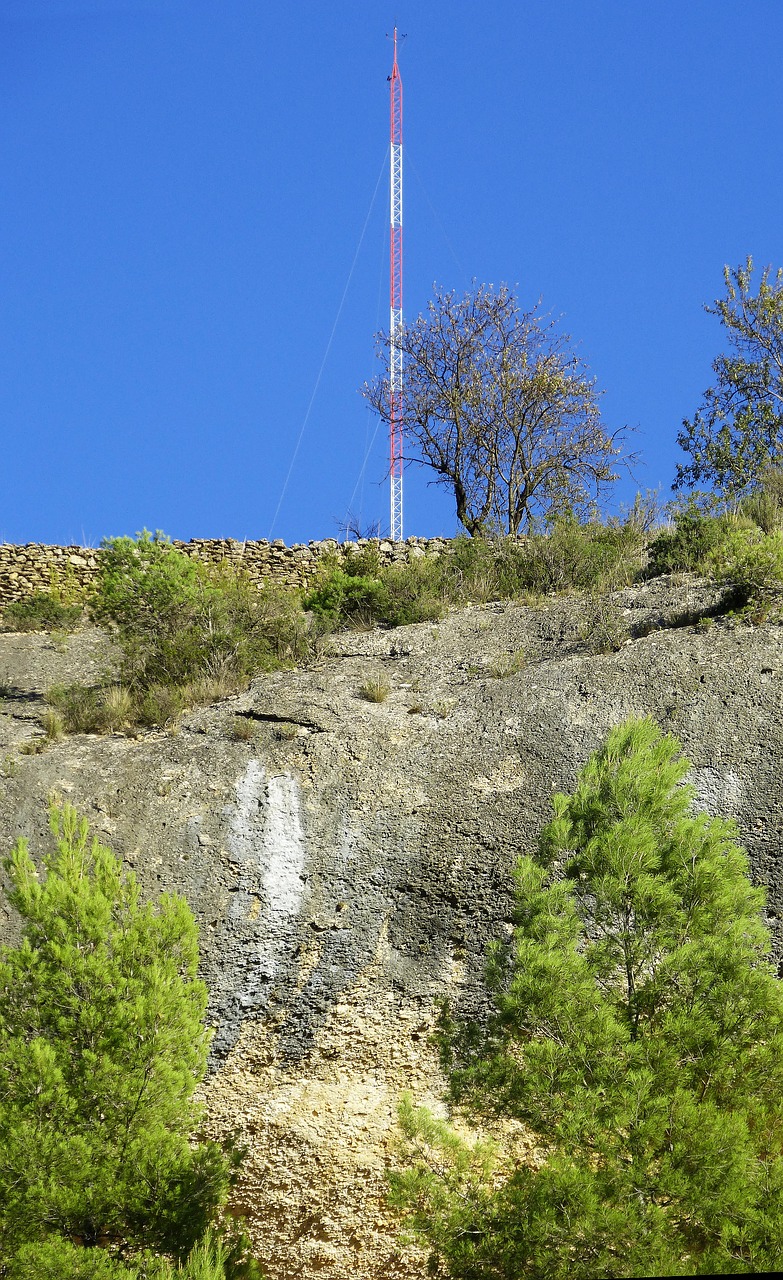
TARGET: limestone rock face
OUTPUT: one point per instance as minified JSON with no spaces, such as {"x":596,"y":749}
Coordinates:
{"x":349,"y":864}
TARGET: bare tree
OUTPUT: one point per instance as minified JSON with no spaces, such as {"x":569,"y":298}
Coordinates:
{"x":500,"y":407}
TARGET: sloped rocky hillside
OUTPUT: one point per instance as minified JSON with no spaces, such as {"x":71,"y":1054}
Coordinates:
{"x":348,"y":860}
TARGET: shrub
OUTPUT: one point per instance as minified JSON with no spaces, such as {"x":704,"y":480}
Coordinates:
{"x":477,"y":569}
{"x":764,"y":506}
{"x":58,"y":1259}
{"x":688,"y":546}
{"x":176,"y":620}
{"x":341,"y":599}
{"x":412,"y":592}
{"x":159,"y":706}
{"x":570,"y":556}
{"x":80,"y":706}
{"x":753,"y":563}
{"x":580,"y":556}
{"x":43,"y":611}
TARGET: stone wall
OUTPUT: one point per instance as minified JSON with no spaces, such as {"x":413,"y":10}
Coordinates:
{"x":27,"y":569}
{"x":36,"y":567}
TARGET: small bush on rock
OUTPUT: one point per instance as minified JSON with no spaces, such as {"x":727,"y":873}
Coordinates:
{"x":176,"y":620}
{"x":688,"y":546}
{"x":752,"y":562}
{"x":341,"y":599}
{"x":43,"y":611}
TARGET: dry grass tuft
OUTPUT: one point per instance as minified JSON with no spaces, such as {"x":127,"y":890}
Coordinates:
{"x":376,"y":689}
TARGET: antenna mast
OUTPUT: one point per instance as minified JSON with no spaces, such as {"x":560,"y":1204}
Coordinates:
{"x":395,"y":328}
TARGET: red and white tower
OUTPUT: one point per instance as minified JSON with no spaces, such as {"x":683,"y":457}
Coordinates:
{"x":395,"y":328}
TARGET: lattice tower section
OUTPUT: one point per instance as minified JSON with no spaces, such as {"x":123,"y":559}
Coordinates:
{"x":395,"y":326}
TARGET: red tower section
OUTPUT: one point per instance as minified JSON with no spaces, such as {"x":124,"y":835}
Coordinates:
{"x":395,"y":327}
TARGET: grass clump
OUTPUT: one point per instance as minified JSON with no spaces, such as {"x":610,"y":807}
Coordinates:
{"x":376,"y":689}
{"x":242,"y":729}
{"x":507,"y":664}
{"x":118,"y":707}
{"x":604,"y":628}
{"x":53,"y":724}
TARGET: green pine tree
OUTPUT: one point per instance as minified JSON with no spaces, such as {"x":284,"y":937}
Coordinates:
{"x":102,"y":1044}
{"x":637,"y":1033}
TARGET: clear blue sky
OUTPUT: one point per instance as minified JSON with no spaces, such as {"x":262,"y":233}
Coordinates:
{"x":184,"y":188}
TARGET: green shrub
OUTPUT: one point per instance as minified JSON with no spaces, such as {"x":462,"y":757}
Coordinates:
{"x":43,"y":611}
{"x":159,"y":706}
{"x":583,"y":556}
{"x":80,"y":707}
{"x":569,"y":556}
{"x":412,"y":592}
{"x":394,"y":596}
{"x":764,"y":506}
{"x":688,"y":546}
{"x":362,"y":562}
{"x":632,"y":1045}
{"x":113,"y":708}
{"x":341,"y":599}
{"x":58,"y":1259}
{"x":480,"y":569}
{"x":177,"y":620}
{"x":103,"y":1045}
{"x":475,"y":569}
{"x":753,"y":563}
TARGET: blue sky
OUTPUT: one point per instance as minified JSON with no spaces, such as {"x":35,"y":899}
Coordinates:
{"x":186,"y":289}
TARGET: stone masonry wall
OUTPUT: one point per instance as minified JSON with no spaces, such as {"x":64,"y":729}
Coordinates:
{"x":34,"y":567}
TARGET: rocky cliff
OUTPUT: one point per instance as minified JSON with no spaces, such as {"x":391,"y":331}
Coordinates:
{"x":348,"y":860}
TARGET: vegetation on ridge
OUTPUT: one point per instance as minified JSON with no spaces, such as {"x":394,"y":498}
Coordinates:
{"x":505,"y":414}
{"x":189,"y":634}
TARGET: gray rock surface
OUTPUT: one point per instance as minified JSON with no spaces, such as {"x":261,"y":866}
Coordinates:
{"x":349,"y":863}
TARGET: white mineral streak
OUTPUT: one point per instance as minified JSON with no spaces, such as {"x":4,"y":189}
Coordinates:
{"x":283,"y":852}
{"x":266,"y":836}
{"x":245,"y":817}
